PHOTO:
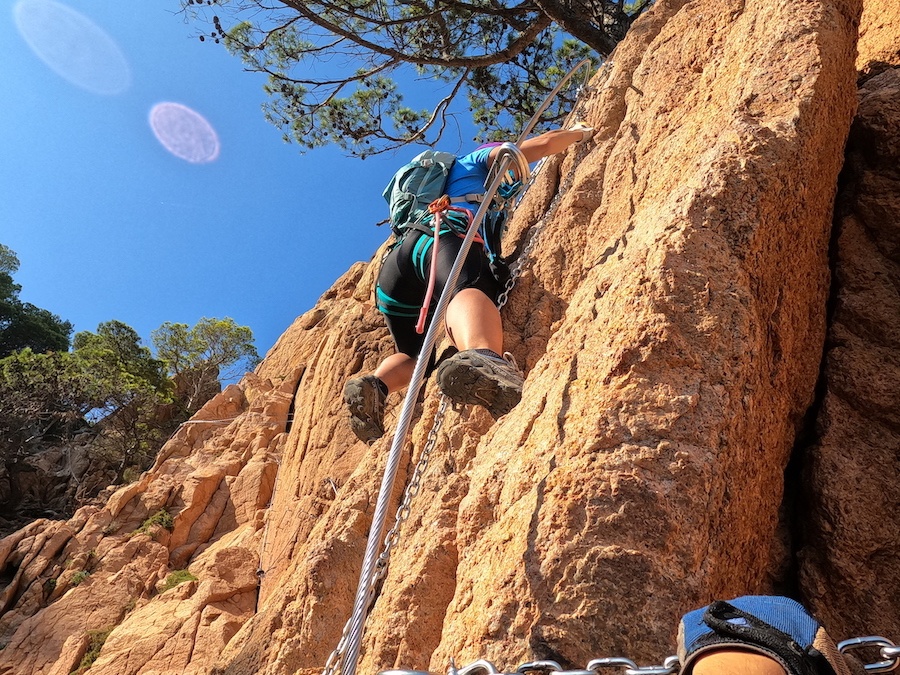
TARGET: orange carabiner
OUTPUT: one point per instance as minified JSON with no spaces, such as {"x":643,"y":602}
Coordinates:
{"x":440,"y":204}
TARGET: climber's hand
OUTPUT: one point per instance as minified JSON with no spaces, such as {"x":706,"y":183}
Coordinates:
{"x":586,"y":132}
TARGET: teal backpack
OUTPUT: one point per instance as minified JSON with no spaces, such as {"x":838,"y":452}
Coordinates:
{"x":415,"y":186}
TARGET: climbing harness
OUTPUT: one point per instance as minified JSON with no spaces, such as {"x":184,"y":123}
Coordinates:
{"x":509,"y":167}
{"x":437,"y":208}
{"x":889,"y":653}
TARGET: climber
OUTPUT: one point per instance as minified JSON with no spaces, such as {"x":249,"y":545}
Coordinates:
{"x":477,"y":374}
{"x":758,"y":635}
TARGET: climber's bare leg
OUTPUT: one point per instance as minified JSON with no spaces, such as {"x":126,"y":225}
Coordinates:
{"x":473,"y":321}
{"x":396,"y":371}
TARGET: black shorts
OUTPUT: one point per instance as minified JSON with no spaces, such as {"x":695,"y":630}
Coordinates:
{"x":403,"y":282}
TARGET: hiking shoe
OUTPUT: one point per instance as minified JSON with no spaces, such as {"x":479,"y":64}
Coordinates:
{"x":365,"y":401}
{"x":480,"y":379}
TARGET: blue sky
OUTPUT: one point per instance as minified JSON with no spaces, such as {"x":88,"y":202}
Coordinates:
{"x":108,"y":224}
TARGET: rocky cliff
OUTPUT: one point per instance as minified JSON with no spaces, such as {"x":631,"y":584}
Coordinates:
{"x":849,"y":560}
{"x":687,"y":431}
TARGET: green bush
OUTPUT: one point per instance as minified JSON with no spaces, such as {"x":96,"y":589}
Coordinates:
{"x":177,"y":577}
{"x":78,"y":577}
{"x":98,"y":638}
{"x":161,"y":518}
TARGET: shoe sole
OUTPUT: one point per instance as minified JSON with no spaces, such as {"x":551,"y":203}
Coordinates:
{"x":365,"y":428}
{"x":464,"y":382}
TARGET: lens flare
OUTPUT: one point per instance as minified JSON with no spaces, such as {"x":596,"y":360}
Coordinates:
{"x":184,"y":132}
{"x":73,"y":46}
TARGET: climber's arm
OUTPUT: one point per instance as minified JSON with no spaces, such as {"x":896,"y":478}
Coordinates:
{"x":550,"y":143}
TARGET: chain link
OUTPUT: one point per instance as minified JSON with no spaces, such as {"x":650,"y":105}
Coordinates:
{"x":524,"y":257}
{"x":548,"y":667}
{"x":610,"y":662}
{"x":670,"y":666}
{"x":889,"y":652}
{"x":335,"y":657}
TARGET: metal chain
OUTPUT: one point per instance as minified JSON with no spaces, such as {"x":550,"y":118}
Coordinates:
{"x":393,"y":535}
{"x":335,"y":657}
{"x":888,"y":652}
{"x":670,"y":666}
{"x":412,"y":489}
{"x":515,"y":270}
{"x":523,"y":258}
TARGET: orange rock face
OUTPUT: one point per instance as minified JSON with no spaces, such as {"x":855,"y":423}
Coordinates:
{"x":104,"y":571}
{"x":850,"y":564}
{"x":671,"y":321}
{"x":879,"y":37}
